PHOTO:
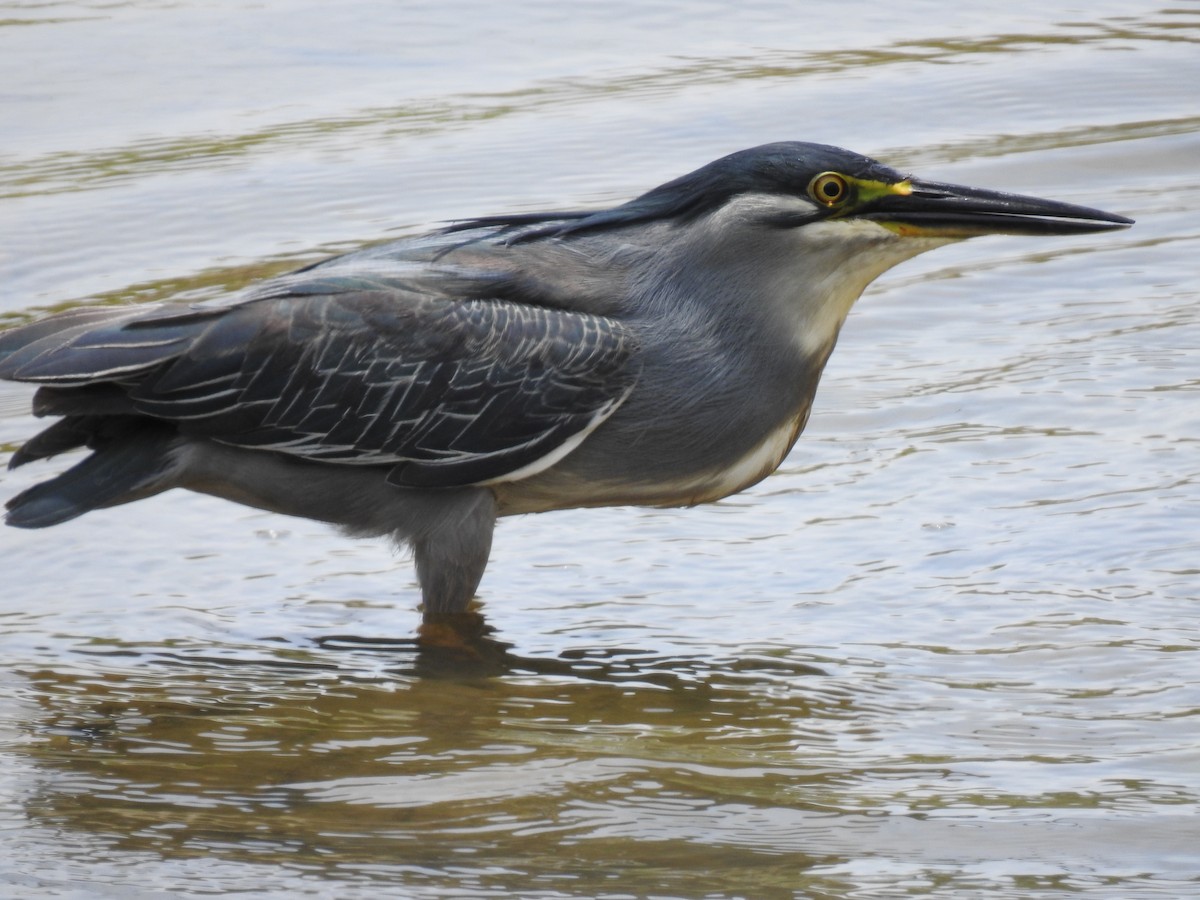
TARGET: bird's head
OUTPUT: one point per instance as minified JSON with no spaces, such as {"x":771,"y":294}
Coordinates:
{"x":792,"y":184}
{"x":795,"y":184}
{"x":801,"y":229}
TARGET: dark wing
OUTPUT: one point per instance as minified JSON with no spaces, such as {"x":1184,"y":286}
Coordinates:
{"x":344,"y":370}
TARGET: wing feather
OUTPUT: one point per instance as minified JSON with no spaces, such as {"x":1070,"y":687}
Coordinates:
{"x":408,"y":367}
{"x":447,"y":393}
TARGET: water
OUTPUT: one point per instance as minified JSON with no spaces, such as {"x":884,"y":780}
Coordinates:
{"x":950,"y":649}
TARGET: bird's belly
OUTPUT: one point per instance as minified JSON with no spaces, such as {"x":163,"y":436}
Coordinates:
{"x":751,"y":468}
{"x":571,"y":485}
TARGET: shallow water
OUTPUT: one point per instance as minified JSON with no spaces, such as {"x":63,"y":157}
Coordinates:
{"x":950,"y":649}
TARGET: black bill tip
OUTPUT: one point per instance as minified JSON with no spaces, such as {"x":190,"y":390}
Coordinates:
{"x":932,"y":209}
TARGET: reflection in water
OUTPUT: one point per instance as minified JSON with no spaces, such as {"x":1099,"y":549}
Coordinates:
{"x":461,"y":646}
{"x":295,"y":761}
{"x":602,"y":769}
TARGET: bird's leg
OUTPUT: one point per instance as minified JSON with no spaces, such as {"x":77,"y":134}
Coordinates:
{"x":451,"y":549}
{"x":448,"y":529}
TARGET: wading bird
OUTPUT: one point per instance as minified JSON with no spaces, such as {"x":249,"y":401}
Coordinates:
{"x":664,"y":352}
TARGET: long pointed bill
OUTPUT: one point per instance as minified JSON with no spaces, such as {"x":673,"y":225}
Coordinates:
{"x":924,"y":208}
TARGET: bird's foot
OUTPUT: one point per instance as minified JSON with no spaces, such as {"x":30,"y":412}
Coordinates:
{"x":459,"y":644}
{"x":453,"y":631}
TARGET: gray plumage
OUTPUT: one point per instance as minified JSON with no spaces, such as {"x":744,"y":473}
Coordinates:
{"x":662,"y":352}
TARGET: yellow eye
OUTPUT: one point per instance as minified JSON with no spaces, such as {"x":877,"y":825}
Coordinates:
{"x":829,"y":189}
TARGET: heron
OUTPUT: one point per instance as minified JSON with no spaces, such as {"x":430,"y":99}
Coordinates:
{"x":663,"y":352}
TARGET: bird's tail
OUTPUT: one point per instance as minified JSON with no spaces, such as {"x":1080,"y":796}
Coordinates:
{"x":132,"y":458}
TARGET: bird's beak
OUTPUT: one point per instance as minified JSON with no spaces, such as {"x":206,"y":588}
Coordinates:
{"x":927,"y":209}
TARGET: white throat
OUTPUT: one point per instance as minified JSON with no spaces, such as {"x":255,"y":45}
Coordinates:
{"x":836,"y":260}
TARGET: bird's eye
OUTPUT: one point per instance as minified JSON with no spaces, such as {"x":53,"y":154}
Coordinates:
{"x":829,"y":189}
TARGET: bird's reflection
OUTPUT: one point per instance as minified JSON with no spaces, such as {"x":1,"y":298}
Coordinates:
{"x":451,"y":645}
{"x":357,"y":746}
{"x":465,"y":645}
